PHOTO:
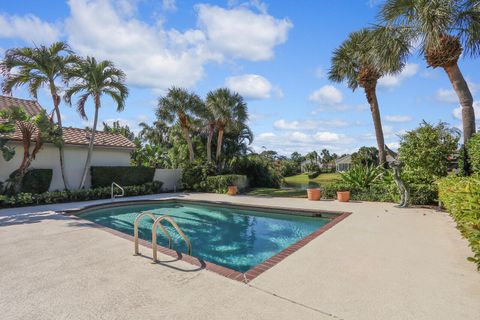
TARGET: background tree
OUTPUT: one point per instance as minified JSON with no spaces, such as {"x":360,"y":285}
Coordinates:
{"x":118,"y":128}
{"x":366,"y":156}
{"x":6,"y":128}
{"x":182,"y":106}
{"x":363,"y":59}
{"x":35,"y":131}
{"x":156,"y":134}
{"x":230,"y":112}
{"x":93,"y":80}
{"x":444,"y":28}
{"x":37,"y":67}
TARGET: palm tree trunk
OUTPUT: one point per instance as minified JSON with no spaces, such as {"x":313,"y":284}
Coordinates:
{"x":56,"y":103}
{"x":90,"y":145}
{"x":219,"y":143}
{"x":211,"y":129}
{"x":371,"y":94}
{"x":186,"y":134}
{"x":465,"y":97}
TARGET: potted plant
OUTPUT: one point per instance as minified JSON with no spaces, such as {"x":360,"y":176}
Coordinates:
{"x":232,"y":190}
{"x":343,"y":196}
{"x":313,"y":194}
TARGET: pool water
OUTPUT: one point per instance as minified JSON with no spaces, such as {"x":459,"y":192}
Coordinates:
{"x":236,"y":238}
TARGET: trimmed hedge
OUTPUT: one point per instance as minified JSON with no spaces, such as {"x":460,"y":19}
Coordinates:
{"x":124,"y":176}
{"x":37,"y":181}
{"x":420,"y":194}
{"x":461,"y":197}
{"x":473,"y":148}
{"x":27,"y":199}
{"x":313,"y":175}
{"x":220,"y":183}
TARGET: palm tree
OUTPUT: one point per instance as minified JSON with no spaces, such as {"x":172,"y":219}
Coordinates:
{"x":229,"y":111}
{"x":35,"y":131}
{"x":94,"y":79}
{"x":444,"y":28}
{"x":37,"y":67}
{"x":182,"y":106}
{"x":156,"y":134}
{"x":208,"y":124}
{"x":363,"y":59}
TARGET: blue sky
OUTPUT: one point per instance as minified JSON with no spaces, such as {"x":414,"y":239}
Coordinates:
{"x":275,"y":53}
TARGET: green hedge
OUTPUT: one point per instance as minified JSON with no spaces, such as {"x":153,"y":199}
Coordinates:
{"x":473,"y":148}
{"x":37,"y":181}
{"x":124,"y":176}
{"x":27,"y":199}
{"x":420,"y":194}
{"x":220,"y":183}
{"x":461,"y":197}
{"x":313,"y":175}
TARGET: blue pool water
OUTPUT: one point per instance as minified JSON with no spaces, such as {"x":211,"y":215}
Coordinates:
{"x":235,"y":238}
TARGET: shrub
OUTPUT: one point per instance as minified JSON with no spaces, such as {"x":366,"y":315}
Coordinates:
{"x":473,"y":149}
{"x":259,"y":171}
{"x":461,"y":197}
{"x":425,"y":152}
{"x":220,"y":183}
{"x":194,"y":175}
{"x":37,"y":181}
{"x":26,"y":199}
{"x":361,"y":176}
{"x":124,"y":176}
{"x":313,"y":175}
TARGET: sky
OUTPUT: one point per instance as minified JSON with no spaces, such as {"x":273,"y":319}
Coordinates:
{"x":275,"y":53}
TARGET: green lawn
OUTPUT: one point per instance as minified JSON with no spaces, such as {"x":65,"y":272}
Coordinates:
{"x":274,"y":192}
{"x":323,"y":179}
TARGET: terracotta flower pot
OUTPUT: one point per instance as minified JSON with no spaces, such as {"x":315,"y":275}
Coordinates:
{"x":313,"y":194}
{"x":343,"y":196}
{"x":232,"y":190}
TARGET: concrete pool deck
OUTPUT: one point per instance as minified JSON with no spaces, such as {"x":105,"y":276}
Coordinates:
{"x":379,"y":263}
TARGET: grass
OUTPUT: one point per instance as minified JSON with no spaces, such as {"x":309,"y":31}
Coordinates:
{"x":274,"y":192}
{"x":323,"y":179}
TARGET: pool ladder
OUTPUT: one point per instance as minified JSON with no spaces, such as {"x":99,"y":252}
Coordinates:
{"x":155,"y":225}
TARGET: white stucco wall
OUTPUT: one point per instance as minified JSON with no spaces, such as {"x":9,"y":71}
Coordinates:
{"x":48,"y":158}
{"x":171,"y":178}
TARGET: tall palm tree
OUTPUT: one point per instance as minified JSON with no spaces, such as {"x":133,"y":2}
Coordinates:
{"x":444,"y":28}
{"x":182,"y":106}
{"x":94,"y":79}
{"x":363,"y":59}
{"x":229,"y":111}
{"x":208,"y":125}
{"x":37,"y":67}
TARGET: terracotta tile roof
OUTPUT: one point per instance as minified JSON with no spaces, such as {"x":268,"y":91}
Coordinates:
{"x":31,"y":107}
{"x":72,"y":136}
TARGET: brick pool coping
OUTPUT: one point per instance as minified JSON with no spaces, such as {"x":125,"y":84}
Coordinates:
{"x":245,"y":277}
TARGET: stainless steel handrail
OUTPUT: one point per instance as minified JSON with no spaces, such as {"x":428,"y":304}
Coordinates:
{"x":117,"y":195}
{"x":174,"y":224}
{"x":135,"y":230}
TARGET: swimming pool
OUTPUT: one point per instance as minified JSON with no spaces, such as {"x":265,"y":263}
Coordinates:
{"x":237,"y":238}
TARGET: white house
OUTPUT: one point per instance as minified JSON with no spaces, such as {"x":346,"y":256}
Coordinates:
{"x":344,"y":163}
{"x":109,"y":150}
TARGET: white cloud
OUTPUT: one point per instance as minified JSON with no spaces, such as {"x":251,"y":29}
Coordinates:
{"x":320,"y":72}
{"x":446,"y":95}
{"x":157,"y":58}
{"x":398,"y":118}
{"x":242,"y":33}
{"x":29,"y":28}
{"x":391,"y":81}
{"x":169,"y":5}
{"x":326,"y":136}
{"x":308,"y":124}
{"x":457,"y":112}
{"x":252,"y":86}
{"x":326,"y":95}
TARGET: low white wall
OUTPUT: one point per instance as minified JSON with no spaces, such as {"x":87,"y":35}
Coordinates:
{"x":171,"y":178}
{"x":48,"y":158}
